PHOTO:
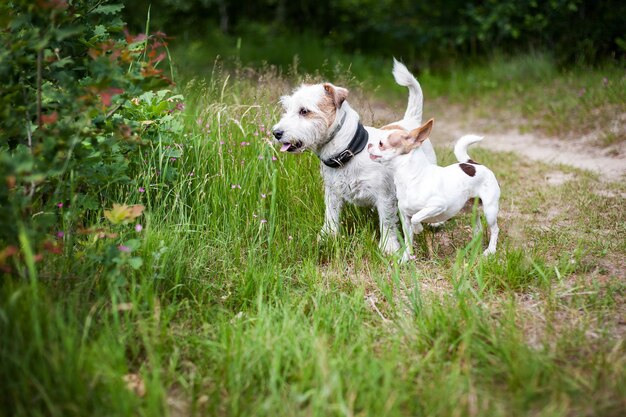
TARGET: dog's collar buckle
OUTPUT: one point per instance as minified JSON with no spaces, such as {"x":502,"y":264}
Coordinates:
{"x":356,"y":145}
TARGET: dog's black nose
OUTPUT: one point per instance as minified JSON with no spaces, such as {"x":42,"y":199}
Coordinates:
{"x":278,"y":133}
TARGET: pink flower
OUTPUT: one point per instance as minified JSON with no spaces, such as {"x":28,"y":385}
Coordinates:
{"x":180,"y":106}
{"x":260,"y":156}
{"x":263,"y":221}
{"x":59,"y":205}
{"x":412,"y":257}
{"x":233,"y":186}
{"x":138,"y":228}
{"x":221,"y":142}
{"x":123,"y":248}
{"x":274,"y":158}
{"x":173,"y":159}
{"x":60,"y":234}
{"x":141,"y":190}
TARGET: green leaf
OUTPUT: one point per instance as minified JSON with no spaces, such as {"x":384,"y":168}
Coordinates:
{"x":135,"y":262}
{"x":108,"y":9}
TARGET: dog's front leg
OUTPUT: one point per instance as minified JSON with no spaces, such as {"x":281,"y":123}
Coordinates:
{"x":387,"y":215}
{"x":408,"y":237}
{"x":334,"y":203}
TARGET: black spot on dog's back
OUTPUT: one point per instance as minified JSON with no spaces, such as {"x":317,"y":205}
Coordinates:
{"x":468,"y":169}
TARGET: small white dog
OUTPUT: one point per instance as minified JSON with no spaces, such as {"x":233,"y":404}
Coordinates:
{"x":430,"y":193}
{"x":318,"y":118}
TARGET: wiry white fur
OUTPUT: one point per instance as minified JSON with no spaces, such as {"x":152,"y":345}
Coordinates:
{"x":416,"y":98}
{"x":430,"y":193}
{"x":360,"y":181}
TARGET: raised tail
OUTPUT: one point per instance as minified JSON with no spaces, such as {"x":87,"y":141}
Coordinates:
{"x":460,"y":147}
{"x":416,"y":98}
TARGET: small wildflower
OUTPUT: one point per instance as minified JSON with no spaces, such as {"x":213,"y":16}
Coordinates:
{"x":199,"y":121}
{"x":180,"y":106}
{"x":412,"y":257}
{"x":605,"y":81}
{"x":233,"y":186}
{"x":256,"y":133}
{"x":221,"y":142}
{"x":274,"y":158}
{"x":254,"y":215}
{"x":263,"y":195}
{"x":173,"y":159}
{"x":263,"y":221}
{"x":138,"y":228}
{"x":191,"y":174}
{"x":60,"y":234}
{"x":60,"y":205}
{"x":141,"y":190}
{"x":123,"y":248}
{"x":260,"y":156}
{"x":244,"y":143}
{"x":290,"y":237}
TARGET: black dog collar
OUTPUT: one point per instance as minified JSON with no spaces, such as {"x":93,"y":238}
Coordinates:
{"x":356,"y":145}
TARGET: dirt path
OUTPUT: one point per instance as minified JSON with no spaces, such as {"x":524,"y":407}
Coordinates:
{"x":609,"y":163}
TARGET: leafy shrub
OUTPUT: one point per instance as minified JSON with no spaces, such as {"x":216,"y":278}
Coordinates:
{"x":74,"y":115}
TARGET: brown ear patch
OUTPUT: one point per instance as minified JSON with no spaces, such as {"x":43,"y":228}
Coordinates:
{"x":469,"y":161}
{"x":468,"y":169}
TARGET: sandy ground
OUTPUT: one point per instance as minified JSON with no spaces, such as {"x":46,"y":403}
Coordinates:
{"x":608,"y":162}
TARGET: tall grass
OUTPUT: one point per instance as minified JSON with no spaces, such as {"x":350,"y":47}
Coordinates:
{"x":239,"y":310}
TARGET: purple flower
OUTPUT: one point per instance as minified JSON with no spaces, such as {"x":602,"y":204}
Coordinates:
{"x":141,"y":190}
{"x":60,"y":234}
{"x":274,"y":158}
{"x":60,"y":205}
{"x":173,"y":159}
{"x":123,"y":248}
{"x":180,"y":106}
{"x":138,"y":228}
{"x":221,"y":142}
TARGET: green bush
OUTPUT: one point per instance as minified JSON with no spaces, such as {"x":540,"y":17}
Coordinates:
{"x":76,"y":108}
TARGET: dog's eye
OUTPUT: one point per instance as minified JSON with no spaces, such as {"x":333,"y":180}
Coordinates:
{"x":303,"y":111}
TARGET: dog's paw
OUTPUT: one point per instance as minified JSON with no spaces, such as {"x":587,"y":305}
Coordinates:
{"x":389,"y":246}
{"x":417,"y":228}
{"x":438,"y":224}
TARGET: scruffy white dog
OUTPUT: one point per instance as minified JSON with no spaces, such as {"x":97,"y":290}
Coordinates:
{"x":318,"y":118}
{"x":430,"y":193}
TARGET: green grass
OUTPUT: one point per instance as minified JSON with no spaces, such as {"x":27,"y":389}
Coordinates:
{"x":231,"y":315}
{"x":526,"y":91}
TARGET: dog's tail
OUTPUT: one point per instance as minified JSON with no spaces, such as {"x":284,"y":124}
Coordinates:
{"x":416,"y":98}
{"x":461,"y":145}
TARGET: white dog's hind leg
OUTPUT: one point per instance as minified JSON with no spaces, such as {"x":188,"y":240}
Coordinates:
{"x":408,"y":237}
{"x":491,"y":207}
{"x":334,"y":203}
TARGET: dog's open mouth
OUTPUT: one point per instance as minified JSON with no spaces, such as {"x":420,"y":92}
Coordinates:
{"x":291,"y":147}
{"x":375,"y":157}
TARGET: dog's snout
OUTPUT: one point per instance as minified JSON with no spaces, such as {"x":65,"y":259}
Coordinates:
{"x":278,"y":133}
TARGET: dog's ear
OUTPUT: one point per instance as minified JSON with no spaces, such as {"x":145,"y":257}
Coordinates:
{"x":419,"y":135}
{"x":338,"y":94}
